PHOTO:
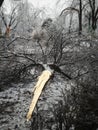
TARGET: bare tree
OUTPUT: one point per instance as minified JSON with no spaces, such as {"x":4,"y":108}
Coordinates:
{"x":1,"y":2}
{"x":10,"y":21}
{"x":94,"y":13}
{"x":78,"y":7}
{"x":79,"y":12}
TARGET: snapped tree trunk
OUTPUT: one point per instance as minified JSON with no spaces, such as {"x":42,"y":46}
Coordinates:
{"x":42,"y":80}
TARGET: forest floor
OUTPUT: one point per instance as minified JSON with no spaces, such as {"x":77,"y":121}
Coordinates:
{"x":15,"y":103}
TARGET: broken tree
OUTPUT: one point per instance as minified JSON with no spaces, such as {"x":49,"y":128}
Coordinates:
{"x":42,"y":80}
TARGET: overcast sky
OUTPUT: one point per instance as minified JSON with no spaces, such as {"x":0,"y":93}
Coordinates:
{"x":50,"y":5}
{"x":43,"y":3}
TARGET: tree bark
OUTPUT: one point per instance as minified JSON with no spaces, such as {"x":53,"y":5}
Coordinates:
{"x":1,"y":2}
{"x":94,"y":13}
{"x":80,"y":17}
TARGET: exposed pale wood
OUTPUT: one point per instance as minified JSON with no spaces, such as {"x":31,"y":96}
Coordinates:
{"x":42,"y":80}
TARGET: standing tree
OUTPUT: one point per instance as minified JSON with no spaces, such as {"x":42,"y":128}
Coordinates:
{"x":10,"y":21}
{"x":78,"y":11}
{"x":94,"y":13}
{"x":1,"y":2}
{"x":80,"y":16}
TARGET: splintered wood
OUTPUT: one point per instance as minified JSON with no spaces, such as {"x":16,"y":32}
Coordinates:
{"x":42,"y":80}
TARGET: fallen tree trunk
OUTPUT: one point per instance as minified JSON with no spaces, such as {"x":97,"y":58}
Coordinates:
{"x":42,"y":80}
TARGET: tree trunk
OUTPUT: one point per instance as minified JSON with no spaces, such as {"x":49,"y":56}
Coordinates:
{"x":80,"y":17}
{"x":42,"y":80}
{"x":93,"y":14}
{"x":1,"y":2}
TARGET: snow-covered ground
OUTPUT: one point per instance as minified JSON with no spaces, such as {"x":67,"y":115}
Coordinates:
{"x":15,"y":101}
